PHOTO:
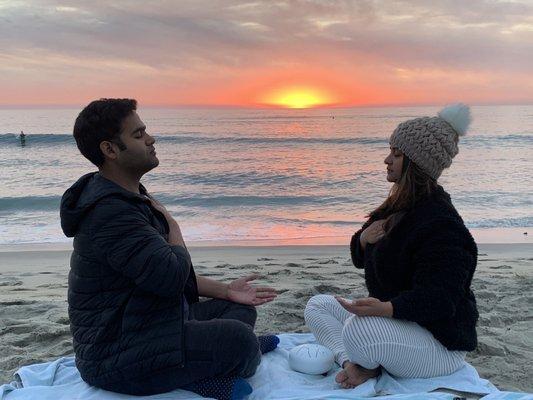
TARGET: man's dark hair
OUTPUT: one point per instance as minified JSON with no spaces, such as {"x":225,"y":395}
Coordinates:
{"x":101,"y":121}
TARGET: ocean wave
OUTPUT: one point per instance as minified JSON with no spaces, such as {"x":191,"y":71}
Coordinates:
{"x":50,"y":203}
{"x":53,"y":139}
{"x":258,"y":178}
{"x":248,"y":201}
{"x":519,"y":222}
{"x":307,"y":221}
{"x":475,"y":140}
{"x":214,"y":201}
{"x":501,"y":223}
{"x":29,"y":203}
{"x":497,"y":141}
{"x":37,"y":139}
{"x":489,"y":200}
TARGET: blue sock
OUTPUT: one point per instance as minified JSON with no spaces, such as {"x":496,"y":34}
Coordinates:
{"x":268,"y":343}
{"x":221,"y":388}
{"x":241,"y":389}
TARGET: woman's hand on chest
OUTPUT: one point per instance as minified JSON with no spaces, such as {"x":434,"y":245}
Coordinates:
{"x":372,"y":234}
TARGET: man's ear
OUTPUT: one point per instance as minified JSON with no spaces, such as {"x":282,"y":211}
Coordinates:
{"x":109,"y":149}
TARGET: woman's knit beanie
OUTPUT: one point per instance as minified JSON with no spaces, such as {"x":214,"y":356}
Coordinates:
{"x":431,"y":142}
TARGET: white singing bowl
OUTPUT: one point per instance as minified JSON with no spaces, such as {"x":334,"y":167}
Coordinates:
{"x":311,"y":359}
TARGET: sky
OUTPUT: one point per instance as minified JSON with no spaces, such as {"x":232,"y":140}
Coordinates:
{"x":273,"y":53}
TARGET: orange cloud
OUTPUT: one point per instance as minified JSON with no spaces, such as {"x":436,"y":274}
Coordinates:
{"x":291,"y":54}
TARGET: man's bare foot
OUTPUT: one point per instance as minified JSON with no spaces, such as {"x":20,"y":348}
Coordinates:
{"x":353,"y":375}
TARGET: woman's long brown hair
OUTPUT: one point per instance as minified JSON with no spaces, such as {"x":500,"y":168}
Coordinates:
{"x":414,"y":185}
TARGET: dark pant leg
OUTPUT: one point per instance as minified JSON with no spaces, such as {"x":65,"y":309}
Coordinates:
{"x":222,"y":309}
{"x":219,"y":341}
{"x":219,"y":347}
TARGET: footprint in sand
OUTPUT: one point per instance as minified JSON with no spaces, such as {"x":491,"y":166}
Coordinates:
{"x":244,"y":266}
{"x":11,"y":282}
{"x":329,"y":289}
{"x":64,"y":320}
{"x":292,"y":265}
{"x":280,"y":272}
{"x":17,"y":302}
{"x":18,"y":329}
{"x":212,"y":273}
{"x":330,"y":261}
{"x":53,"y":286}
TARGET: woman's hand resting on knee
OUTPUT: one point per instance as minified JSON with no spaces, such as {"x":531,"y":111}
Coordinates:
{"x":367,"y":307}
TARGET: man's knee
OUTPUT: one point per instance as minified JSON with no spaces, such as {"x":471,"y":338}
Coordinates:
{"x":243,"y":312}
{"x":243,"y":339}
{"x":243,"y":347}
{"x":250,"y":313}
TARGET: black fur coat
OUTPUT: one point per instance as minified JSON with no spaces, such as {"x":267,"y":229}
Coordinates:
{"x":424,"y":266}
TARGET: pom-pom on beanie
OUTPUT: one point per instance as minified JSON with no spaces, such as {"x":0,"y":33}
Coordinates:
{"x":431,"y":142}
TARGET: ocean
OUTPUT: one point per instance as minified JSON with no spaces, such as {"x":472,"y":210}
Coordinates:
{"x":245,"y":176}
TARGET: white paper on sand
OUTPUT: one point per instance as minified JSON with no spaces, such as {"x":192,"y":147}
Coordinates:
{"x":274,"y":379}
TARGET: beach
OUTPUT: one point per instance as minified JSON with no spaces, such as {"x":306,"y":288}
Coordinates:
{"x":35,"y":325}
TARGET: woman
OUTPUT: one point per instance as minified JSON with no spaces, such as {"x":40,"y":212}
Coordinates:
{"x":419,"y":258}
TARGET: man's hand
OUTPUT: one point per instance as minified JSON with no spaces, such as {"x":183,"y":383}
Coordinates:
{"x":240,"y":291}
{"x":367,"y":307}
{"x":161,"y":208}
{"x":175,"y":237}
{"x":372,"y":234}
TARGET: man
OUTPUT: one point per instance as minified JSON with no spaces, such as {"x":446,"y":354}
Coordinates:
{"x":135,"y":316}
{"x":22,"y":137}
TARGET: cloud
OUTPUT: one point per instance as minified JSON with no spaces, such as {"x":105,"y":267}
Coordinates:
{"x":193,"y":45}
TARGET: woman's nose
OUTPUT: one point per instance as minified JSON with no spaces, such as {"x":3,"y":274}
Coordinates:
{"x":151,"y":140}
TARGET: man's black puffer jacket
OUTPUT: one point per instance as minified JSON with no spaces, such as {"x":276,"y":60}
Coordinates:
{"x":127,"y":288}
{"x":424,"y":266}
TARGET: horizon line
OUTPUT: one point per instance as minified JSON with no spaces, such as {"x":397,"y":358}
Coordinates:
{"x":266,"y":106}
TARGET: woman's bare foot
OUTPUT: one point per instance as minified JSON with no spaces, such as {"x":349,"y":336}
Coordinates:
{"x":353,"y":375}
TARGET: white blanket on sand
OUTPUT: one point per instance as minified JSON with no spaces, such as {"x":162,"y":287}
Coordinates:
{"x":274,"y":380}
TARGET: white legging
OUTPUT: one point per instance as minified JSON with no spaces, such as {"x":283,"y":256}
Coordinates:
{"x":403,"y":348}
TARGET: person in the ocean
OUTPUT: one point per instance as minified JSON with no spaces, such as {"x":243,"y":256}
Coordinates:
{"x":137,"y":324}
{"x":22,"y":138}
{"x":419,"y":319}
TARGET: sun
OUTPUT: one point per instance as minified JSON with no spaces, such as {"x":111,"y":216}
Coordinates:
{"x":297,"y":97}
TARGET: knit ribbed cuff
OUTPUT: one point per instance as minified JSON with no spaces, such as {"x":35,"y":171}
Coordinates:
{"x":341,"y":357}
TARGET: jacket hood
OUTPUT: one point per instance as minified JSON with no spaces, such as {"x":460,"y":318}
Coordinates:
{"x":81,"y":197}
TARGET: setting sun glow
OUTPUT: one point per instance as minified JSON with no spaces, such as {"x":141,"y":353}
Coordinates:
{"x":297,"y":97}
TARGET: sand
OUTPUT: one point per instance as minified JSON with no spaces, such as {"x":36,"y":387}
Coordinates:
{"x":34,"y":324}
